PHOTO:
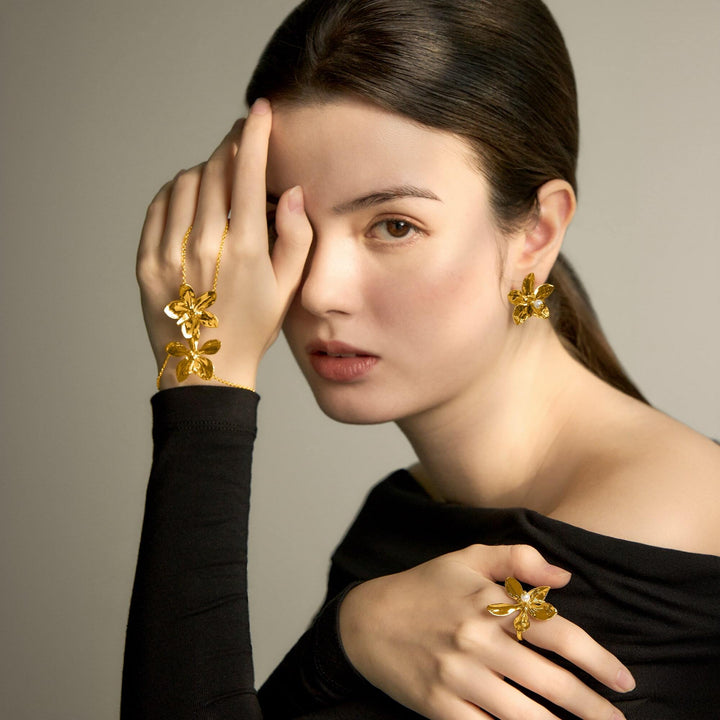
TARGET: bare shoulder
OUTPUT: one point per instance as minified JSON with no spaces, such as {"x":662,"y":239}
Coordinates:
{"x":652,"y":480}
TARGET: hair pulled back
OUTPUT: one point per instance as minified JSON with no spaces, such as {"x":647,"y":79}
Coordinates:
{"x":493,"y":72}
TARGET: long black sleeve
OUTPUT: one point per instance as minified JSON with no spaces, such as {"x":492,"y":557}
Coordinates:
{"x":188,"y":651}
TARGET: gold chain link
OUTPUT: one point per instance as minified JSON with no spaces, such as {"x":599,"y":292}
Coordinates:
{"x":183,"y":255}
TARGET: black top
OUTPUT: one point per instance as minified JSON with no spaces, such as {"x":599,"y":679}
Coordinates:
{"x":188,"y":651}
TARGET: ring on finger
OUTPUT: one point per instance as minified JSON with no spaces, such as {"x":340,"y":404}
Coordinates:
{"x":528,"y":603}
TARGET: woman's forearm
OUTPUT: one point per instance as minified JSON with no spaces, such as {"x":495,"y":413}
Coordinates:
{"x":188,"y":651}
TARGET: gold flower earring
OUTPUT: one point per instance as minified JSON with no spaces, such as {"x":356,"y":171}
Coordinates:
{"x":530,"y":300}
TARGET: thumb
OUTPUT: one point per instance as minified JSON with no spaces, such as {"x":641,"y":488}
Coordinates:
{"x":294,"y":239}
{"x":522,"y":562}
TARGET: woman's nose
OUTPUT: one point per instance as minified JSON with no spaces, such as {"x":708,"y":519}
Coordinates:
{"x":331,"y":280}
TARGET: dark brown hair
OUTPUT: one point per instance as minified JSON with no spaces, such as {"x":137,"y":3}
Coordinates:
{"x":493,"y":72}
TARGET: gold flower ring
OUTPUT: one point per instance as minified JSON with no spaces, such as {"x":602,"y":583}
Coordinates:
{"x":530,"y":603}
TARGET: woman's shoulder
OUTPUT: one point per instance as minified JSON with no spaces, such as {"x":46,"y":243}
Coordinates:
{"x":650,"y":479}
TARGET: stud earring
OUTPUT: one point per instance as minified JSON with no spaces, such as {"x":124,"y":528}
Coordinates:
{"x":530,"y":300}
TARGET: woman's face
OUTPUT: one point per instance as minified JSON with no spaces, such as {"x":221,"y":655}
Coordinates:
{"x":400,"y":310}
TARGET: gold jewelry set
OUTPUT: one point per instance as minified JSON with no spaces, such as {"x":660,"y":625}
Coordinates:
{"x":528,"y":302}
{"x":191,"y":313}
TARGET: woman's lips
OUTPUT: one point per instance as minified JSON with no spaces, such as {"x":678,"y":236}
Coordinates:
{"x":340,"y":362}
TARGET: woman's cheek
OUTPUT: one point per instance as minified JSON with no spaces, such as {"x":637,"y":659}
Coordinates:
{"x":442,"y":298}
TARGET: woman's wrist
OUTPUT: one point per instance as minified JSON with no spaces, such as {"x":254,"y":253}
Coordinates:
{"x":243,"y":378}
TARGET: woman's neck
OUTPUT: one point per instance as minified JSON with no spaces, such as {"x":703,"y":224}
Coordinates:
{"x":508,"y":440}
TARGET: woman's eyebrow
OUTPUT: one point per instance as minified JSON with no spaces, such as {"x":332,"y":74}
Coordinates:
{"x":375,"y":198}
{"x":383,"y":196}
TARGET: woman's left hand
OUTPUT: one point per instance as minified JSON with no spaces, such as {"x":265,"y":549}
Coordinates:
{"x":426,"y":639}
{"x":255,"y":285}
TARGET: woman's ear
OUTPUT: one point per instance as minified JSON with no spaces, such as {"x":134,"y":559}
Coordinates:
{"x":535,"y":247}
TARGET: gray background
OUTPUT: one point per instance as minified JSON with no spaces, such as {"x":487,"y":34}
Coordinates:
{"x":102,"y":102}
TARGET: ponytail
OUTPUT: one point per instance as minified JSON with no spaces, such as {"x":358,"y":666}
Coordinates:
{"x":578,"y":327}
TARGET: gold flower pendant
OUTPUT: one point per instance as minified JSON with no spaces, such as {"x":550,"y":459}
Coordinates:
{"x":191,"y":311}
{"x":191,"y":314}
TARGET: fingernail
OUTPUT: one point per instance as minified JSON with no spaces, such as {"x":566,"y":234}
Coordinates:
{"x":625,"y":681}
{"x":295,"y":199}
{"x":260,"y":107}
{"x":618,"y":716}
{"x":558,"y":572}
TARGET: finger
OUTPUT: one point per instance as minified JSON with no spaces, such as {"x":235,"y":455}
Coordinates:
{"x":248,"y":223}
{"x":181,"y":213}
{"x":454,"y":708}
{"x":574,"y":644}
{"x":294,"y":239}
{"x":485,"y":689}
{"x":446,"y":704}
{"x":153,"y":227}
{"x":519,"y":561}
{"x":543,"y":677}
{"x":216,"y":185}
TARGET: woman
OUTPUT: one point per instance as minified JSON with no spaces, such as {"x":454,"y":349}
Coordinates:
{"x":418,"y":161}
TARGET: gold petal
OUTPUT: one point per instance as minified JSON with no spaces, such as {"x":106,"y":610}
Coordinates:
{"x":204,"y":368}
{"x":183,"y":369}
{"x":178,"y":306}
{"x":545,"y":290}
{"x":170,"y":310}
{"x":206,"y":300}
{"x":502,"y":609}
{"x":538,"y":594}
{"x":186,"y":293}
{"x":516,"y":297}
{"x":521,"y":314}
{"x":208,"y":320}
{"x":521,"y":623}
{"x":513,"y":588}
{"x":210,"y":347}
{"x":529,"y":284}
{"x":176,"y":349}
{"x":543,"y":312}
{"x":190,"y":327}
{"x":544,"y":612}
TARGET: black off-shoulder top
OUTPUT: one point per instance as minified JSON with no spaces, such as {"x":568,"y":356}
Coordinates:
{"x":188,"y":652}
{"x":656,"y":609}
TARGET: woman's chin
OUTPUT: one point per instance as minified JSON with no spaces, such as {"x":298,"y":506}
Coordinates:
{"x":353,"y":408}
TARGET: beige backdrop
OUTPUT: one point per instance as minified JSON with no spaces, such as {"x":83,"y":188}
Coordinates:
{"x":102,"y":102}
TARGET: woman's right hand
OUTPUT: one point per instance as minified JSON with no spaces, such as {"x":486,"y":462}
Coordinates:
{"x":255,"y":286}
{"x":426,"y":639}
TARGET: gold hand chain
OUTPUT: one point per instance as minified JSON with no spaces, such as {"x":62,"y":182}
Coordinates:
{"x":191,"y":313}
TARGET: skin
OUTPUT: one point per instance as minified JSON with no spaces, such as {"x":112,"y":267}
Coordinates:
{"x":461,"y":380}
{"x":497,"y":414}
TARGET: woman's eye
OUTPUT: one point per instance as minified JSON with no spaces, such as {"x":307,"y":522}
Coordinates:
{"x":395,"y":229}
